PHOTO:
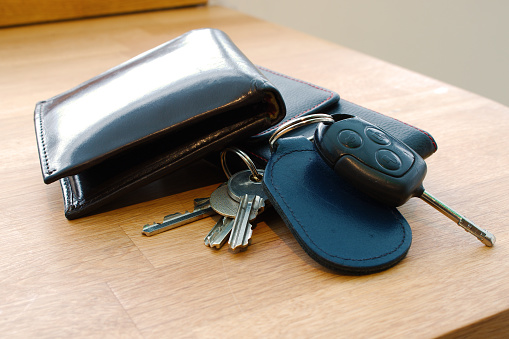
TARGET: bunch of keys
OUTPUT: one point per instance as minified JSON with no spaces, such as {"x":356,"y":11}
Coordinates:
{"x":376,"y":163}
{"x":239,"y":201}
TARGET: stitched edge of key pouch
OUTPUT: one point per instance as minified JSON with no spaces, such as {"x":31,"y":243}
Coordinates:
{"x":305,"y":229}
{"x":328,"y":99}
{"x":314,"y":253}
{"x":324,"y":103}
{"x":430,"y":137}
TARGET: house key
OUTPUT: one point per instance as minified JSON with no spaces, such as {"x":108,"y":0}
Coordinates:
{"x":201,"y":210}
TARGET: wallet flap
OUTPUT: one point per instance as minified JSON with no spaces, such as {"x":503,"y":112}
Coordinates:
{"x":186,"y":82}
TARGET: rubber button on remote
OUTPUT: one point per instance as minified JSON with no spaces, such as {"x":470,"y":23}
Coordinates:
{"x":377,"y":136}
{"x":388,"y":159}
{"x":350,"y":139}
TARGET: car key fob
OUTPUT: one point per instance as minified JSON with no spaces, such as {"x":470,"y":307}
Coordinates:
{"x":372,"y":160}
{"x":382,"y":167}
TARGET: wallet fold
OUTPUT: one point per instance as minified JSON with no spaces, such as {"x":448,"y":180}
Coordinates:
{"x":151,"y":115}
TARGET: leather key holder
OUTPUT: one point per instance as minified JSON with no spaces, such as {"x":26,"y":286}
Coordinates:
{"x":336,"y":225}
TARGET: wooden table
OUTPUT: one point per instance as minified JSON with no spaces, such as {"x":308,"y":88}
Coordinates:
{"x":98,"y":276}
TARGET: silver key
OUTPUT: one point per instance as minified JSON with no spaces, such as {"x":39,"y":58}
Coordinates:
{"x":219,"y":233}
{"x":486,"y":237}
{"x":242,"y":183}
{"x":222,"y":203}
{"x":249,"y":192}
{"x":201,"y":210}
{"x":241,"y":232}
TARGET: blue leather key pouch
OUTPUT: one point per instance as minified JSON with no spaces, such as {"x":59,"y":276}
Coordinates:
{"x":336,"y":225}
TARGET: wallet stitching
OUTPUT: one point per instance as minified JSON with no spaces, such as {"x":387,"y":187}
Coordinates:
{"x":418,"y":129}
{"x":69,"y":197}
{"x":304,"y":229}
{"x":43,"y":142}
{"x":302,"y":113}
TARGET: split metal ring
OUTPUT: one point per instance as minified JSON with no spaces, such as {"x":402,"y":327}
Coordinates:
{"x":257,"y":176}
{"x":296,"y":123}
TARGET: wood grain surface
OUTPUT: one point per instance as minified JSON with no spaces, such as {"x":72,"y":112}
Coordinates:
{"x":99,"y":277}
{"x":16,"y":12}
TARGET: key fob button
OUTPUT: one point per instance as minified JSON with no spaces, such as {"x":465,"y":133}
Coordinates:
{"x":388,"y":159}
{"x":377,"y":136}
{"x":349,"y":138}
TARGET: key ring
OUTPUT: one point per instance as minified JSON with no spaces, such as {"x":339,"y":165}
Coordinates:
{"x":296,"y":123}
{"x":247,"y":160}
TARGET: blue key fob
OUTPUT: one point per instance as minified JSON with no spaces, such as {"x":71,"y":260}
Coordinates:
{"x":338,"y":226}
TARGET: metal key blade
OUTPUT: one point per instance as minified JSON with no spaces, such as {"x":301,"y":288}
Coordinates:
{"x":486,"y":237}
{"x":201,"y":210}
{"x":217,"y":229}
{"x":241,"y":229}
{"x":218,"y":239}
{"x":213,"y":231}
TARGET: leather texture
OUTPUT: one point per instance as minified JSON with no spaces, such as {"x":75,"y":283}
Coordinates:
{"x":337,"y":226}
{"x":303,"y":98}
{"x":151,"y":115}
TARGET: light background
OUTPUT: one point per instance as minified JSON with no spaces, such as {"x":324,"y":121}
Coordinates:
{"x":461,"y":42}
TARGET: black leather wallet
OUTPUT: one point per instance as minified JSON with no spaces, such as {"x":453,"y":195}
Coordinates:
{"x":151,"y":115}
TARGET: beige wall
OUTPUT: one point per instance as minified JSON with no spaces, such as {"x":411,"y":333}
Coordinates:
{"x":461,"y":42}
